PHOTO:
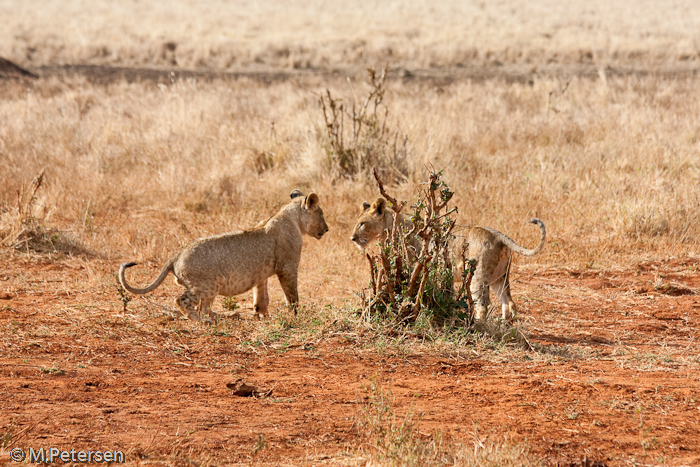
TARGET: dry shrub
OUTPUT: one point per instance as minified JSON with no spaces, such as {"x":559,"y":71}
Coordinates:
{"x":405,"y":282}
{"x":22,"y":228}
{"x":392,"y":441}
{"x":368,"y":143}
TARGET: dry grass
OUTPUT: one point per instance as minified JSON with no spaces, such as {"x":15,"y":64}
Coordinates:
{"x":391,"y":440}
{"x":136,"y":170}
{"x":222,"y":34}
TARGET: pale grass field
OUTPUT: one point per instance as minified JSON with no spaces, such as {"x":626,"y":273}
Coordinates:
{"x":134,"y":171}
{"x":222,"y":34}
{"x":137,"y":169}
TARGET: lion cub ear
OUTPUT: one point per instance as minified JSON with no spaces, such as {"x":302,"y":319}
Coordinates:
{"x":365,"y":206}
{"x":379,"y":207}
{"x":311,"y":201}
{"x":296,"y":194}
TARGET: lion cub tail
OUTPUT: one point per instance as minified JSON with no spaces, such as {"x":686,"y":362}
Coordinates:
{"x":163,"y":273}
{"x":533,"y":251}
{"x":517,"y":248}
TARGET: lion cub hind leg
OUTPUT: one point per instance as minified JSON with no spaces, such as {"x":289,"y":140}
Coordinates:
{"x":501,"y":287}
{"x":479,"y":289}
{"x":481,"y":284}
{"x":500,"y":284}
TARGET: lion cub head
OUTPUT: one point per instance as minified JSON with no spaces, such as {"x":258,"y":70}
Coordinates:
{"x":373,"y":222}
{"x":312,"y":221}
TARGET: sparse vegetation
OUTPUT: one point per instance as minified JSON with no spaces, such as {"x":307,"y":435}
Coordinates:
{"x":260,"y":444}
{"x":22,"y":228}
{"x":124,"y":296}
{"x":230,"y":303}
{"x":54,"y":370}
{"x":396,"y":441}
{"x":6,"y":438}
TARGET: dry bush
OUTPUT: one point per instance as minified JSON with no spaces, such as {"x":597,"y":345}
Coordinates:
{"x":23,"y":227}
{"x":406,"y":283}
{"x":20,"y":226}
{"x":414,"y":292}
{"x":367,"y":142}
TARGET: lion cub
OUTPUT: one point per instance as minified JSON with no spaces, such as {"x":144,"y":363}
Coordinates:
{"x":235,"y":262}
{"x":492,"y":251}
{"x":374,"y":222}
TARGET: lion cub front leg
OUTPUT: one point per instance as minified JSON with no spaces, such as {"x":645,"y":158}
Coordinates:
{"x":261,"y":299}
{"x":288,"y":281}
{"x":205,"y":311}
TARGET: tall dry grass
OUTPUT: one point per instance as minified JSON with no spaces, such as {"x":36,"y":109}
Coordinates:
{"x":611,"y":165}
{"x":223,"y":34}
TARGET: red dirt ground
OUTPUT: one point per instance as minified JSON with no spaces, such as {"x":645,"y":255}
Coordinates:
{"x":613,"y":379}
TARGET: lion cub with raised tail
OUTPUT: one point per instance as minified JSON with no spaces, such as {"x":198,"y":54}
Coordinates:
{"x":492,"y":251}
{"x":235,"y":262}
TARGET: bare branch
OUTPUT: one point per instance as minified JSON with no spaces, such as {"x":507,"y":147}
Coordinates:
{"x":395,"y":204}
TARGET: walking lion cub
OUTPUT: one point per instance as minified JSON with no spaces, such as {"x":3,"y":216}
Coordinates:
{"x":235,"y":262}
{"x":491,"y":249}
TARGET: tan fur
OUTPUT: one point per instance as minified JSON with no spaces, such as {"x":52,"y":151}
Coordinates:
{"x":374,"y":223}
{"x":235,"y":262}
{"x":492,"y":251}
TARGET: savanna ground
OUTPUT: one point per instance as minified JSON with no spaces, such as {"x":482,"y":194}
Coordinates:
{"x":158,"y":124}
